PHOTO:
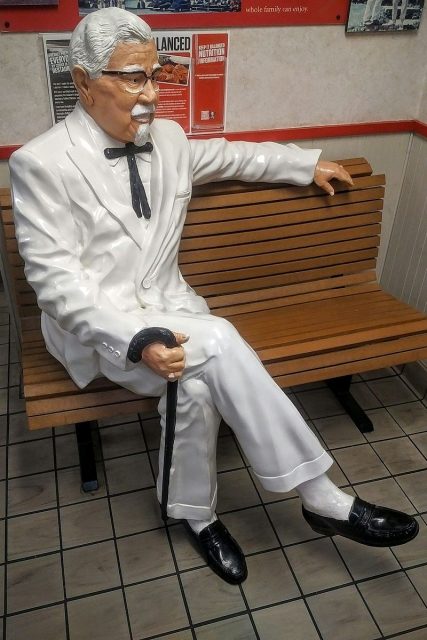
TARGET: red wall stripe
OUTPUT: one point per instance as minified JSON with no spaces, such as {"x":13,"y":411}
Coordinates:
{"x":302,"y":133}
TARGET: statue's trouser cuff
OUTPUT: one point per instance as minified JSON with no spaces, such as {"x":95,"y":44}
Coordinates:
{"x":302,"y":473}
{"x":191,"y":511}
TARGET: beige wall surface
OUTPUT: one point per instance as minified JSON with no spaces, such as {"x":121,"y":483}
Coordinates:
{"x":287,"y":77}
{"x":24,"y":101}
{"x":279,"y":77}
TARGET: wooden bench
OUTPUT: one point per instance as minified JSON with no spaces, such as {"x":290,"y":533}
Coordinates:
{"x":291,"y":267}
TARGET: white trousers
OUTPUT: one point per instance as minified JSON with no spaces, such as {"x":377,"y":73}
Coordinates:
{"x":224,"y":377}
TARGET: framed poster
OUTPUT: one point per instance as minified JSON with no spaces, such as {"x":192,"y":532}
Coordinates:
{"x":62,"y":92}
{"x":180,"y":14}
{"x":370,"y":16}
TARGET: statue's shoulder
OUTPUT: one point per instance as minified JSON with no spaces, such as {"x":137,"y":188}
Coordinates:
{"x":46,"y":146}
{"x":168,"y":128}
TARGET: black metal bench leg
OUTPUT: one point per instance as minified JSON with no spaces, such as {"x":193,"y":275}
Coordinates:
{"x":340,"y":387}
{"x":86,"y":456}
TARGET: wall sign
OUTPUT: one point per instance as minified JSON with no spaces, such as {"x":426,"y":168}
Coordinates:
{"x":180,"y":14}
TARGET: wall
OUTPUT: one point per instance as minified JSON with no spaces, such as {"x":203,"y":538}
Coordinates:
{"x":278,"y":77}
{"x":287,"y":77}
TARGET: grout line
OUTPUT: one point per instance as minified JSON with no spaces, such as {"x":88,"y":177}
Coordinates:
{"x":61,"y":548}
{"x":122,"y":586}
{"x":172,"y":550}
{"x":6,"y":496}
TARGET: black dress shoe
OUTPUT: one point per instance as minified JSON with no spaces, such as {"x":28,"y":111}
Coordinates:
{"x":367,"y":524}
{"x":221,"y":552}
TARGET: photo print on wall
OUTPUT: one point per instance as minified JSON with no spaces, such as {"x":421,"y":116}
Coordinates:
{"x":146,"y":7}
{"x":28,"y":3}
{"x":367,"y":16}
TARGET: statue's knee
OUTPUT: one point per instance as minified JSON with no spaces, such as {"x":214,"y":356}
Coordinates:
{"x":197,"y":391}
{"x":224,"y":334}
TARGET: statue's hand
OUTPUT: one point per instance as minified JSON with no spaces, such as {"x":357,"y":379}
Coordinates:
{"x":325,"y":171}
{"x":167,"y":363}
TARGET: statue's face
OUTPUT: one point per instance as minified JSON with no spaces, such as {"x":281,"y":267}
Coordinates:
{"x":123,"y":110}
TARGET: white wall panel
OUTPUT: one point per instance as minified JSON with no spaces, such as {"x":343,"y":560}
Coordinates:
{"x":405,"y":266}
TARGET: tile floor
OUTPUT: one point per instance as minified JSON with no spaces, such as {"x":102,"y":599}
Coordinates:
{"x":102,"y":566}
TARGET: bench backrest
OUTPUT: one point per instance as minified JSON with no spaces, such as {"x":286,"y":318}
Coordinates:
{"x":251,"y":247}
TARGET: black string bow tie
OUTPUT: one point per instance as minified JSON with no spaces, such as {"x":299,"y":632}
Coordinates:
{"x":139,"y":197}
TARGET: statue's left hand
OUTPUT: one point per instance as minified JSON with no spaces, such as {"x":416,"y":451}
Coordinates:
{"x":325,"y":171}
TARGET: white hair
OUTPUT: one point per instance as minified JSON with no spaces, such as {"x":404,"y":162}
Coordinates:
{"x":95,"y":38}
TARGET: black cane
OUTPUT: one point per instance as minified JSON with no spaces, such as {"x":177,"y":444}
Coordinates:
{"x":166,"y":337}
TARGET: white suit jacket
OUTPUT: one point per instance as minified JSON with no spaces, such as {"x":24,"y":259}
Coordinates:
{"x":95,"y":266}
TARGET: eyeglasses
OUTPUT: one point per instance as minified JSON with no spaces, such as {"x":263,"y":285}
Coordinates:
{"x":135,"y":81}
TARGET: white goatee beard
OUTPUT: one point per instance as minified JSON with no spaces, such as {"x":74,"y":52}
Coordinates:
{"x":142,"y":134}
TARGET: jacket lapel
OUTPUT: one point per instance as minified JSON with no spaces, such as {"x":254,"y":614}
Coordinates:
{"x":162,"y":228}
{"x":95,"y":169}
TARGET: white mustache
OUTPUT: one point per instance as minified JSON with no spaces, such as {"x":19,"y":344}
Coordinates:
{"x":142,"y":109}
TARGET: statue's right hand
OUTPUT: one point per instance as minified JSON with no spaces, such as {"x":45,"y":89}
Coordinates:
{"x":167,"y":363}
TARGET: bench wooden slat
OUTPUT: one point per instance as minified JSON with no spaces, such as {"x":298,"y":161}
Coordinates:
{"x":339,"y":312}
{"x":350,"y":224}
{"x":58,"y":417}
{"x":306,"y":251}
{"x":276,"y":274}
{"x":45,"y":375}
{"x":369,"y":351}
{"x":82,"y":400}
{"x":231,"y":310}
{"x":284,"y":245}
{"x":355,"y":366}
{"x":291,"y":290}
{"x":355,"y":166}
{"x":277,"y":192}
{"x":64,"y":387}
{"x":259,"y":222}
{"x":328,"y":328}
{"x":320,"y":344}
{"x":254,"y":209}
